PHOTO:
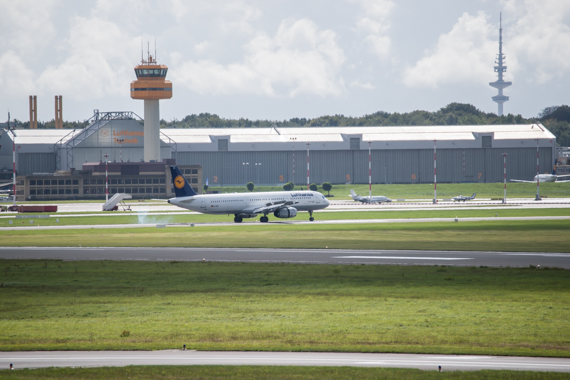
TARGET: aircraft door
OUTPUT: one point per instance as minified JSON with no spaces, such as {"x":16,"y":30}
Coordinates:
{"x":202,"y":204}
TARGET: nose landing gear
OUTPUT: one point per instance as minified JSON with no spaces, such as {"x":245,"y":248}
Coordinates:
{"x":311,"y":216}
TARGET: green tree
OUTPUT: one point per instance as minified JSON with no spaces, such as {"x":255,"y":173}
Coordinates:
{"x":313,"y":187}
{"x":288,"y":186}
{"x":327,"y":187}
{"x":205,"y":187}
{"x":250,"y":186}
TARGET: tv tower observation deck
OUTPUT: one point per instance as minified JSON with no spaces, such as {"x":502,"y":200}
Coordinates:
{"x":500,"y":68}
{"x":151,"y":86}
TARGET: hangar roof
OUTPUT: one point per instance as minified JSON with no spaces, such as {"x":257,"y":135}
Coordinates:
{"x":317,"y":134}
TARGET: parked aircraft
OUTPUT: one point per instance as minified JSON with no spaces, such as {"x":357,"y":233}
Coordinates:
{"x":374,"y":199}
{"x":463,"y":198}
{"x":545,"y":178}
{"x":282,"y":204}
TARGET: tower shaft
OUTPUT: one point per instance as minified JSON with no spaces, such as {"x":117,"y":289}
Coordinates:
{"x":151,"y":130}
{"x":500,"y":68}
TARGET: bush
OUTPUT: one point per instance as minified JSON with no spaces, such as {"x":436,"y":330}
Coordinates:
{"x":288,"y":186}
{"x":250,"y":186}
{"x":327,"y":187}
{"x":313,"y":187}
{"x":205,"y":187}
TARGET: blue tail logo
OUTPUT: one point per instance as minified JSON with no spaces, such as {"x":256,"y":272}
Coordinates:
{"x":181,"y":186}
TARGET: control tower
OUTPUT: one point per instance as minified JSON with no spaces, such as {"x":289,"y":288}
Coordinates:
{"x":151,"y":86}
{"x":500,"y":68}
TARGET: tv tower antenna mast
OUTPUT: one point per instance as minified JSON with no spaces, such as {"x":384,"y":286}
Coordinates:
{"x":500,"y":68}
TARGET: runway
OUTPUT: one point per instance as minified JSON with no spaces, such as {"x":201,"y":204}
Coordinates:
{"x":178,"y":357}
{"x":304,"y":256}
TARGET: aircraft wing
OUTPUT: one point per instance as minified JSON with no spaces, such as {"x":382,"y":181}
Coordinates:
{"x":520,"y":180}
{"x":563,"y":181}
{"x":271,"y":207}
{"x":562,"y":176}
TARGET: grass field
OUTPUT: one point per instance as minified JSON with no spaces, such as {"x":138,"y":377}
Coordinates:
{"x":151,"y":218}
{"x":525,"y":236}
{"x":420,"y":191}
{"x":272,"y":373}
{"x":55,"y":305}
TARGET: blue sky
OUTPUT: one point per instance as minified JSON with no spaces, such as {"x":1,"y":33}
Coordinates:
{"x":282,"y":59}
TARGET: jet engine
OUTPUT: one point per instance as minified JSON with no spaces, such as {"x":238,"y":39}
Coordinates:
{"x":286,"y":212}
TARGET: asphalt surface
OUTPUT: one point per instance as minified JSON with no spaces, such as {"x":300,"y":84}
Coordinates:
{"x":305,"y":256}
{"x":178,"y":357}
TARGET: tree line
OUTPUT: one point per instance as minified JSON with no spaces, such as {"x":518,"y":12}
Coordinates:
{"x":555,"y":118}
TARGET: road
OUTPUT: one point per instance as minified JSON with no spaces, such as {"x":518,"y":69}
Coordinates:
{"x":179,"y":357}
{"x":305,"y":256}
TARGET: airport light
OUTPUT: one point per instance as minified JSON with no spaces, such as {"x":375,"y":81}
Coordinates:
{"x":106,"y":177}
{"x":369,"y":175}
{"x":537,"y":172}
{"x":434,"y":173}
{"x":308,"y":166}
{"x":505,"y":177}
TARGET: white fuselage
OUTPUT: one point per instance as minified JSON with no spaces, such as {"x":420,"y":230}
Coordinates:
{"x":246,"y":203}
{"x":546,"y":178}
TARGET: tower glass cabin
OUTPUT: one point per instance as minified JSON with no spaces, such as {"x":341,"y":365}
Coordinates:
{"x":151,"y":86}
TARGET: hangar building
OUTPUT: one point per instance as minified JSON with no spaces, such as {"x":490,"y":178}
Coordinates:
{"x":279,"y":155}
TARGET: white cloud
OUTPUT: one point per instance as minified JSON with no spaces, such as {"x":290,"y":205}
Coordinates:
{"x":538,"y":37}
{"x":375,"y":24}
{"x":15,"y":78}
{"x":465,"y":54}
{"x":97,"y":61}
{"x":364,"y":86}
{"x":300,"y":58}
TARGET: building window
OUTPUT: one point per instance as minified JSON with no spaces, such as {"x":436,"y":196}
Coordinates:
{"x":128,"y":181}
{"x":32,"y":192}
{"x":68,"y":182}
{"x":61,"y":191}
{"x":86,"y":182}
{"x":148,"y":180}
{"x":76,"y":182}
{"x":194,"y":171}
{"x":114,"y":181}
{"x":162,"y":181}
{"x":40,"y":182}
{"x":32,"y":182}
{"x":40,"y":191}
{"x":121,"y":181}
{"x":155,"y":180}
{"x":135,"y":190}
{"x":135,"y":181}
{"x":75,"y":191}
{"x":194,"y":180}
{"x":223,"y":145}
{"x":155,"y":190}
{"x":487,"y":141}
{"x":53,"y":182}
{"x":100,"y":181}
{"x":47,"y":191}
{"x":67,"y":191}
{"x":60,"y":182}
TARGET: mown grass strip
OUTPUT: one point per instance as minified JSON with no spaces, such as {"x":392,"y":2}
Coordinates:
{"x":266,"y":372}
{"x":508,"y":236}
{"x":114,"y":305}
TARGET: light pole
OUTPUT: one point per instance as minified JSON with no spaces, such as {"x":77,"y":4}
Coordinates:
{"x":308,"y":166}
{"x":537,"y":174}
{"x":106,"y":178}
{"x":434,"y":173}
{"x":11,"y":129}
{"x":245,"y":170}
{"x":369,"y":175}
{"x":257,"y":170}
{"x":505,"y":177}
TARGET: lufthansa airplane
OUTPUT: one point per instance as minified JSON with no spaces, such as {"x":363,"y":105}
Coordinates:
{"x":545,"y":178}
{"x":282,"y":204}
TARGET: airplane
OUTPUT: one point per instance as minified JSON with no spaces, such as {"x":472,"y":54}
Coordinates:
{"x":545,"y":178}
{"x":463,"y":198}
{"x":374,"y":199}
{"x":282,"y":204}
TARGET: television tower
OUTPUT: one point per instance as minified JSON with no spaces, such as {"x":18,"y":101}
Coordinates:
{"x":500,"y":84}
{"x":151,"y":86}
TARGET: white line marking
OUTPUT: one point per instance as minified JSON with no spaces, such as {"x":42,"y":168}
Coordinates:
{"x":402,"y":257}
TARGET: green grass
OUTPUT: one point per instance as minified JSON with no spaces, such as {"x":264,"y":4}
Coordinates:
{"x":425,"y":191}
{"x":265,"y":372}
{"x":525,"y":236}
{"x":55,"y":305}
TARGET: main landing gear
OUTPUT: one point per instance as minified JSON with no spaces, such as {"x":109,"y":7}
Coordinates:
{"x":311,"y":216}
{"x":264,"y":219}
{"x":238,"y":219}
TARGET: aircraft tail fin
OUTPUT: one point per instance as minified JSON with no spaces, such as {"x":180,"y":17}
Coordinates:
{"x":352,"y":193}
{"x":473,"y":196}
{"x":181,"y":186}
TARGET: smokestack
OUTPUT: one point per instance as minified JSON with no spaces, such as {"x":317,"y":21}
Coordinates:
{"x":58,"y":112}
{"x":33,"y":112}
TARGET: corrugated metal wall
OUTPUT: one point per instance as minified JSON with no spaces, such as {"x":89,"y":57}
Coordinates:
{"x":388,"y":166}
{"x":30,"y":163}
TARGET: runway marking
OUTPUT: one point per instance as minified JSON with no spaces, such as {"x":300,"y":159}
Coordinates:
{"x":402,"y":257}
{"x":537,"y":254}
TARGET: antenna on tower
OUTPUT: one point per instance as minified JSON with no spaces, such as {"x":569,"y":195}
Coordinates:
{"x":148,"y":51}
{"x":500,"y":68}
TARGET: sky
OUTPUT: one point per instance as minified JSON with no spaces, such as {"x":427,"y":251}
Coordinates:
{"x":280,"y":59}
